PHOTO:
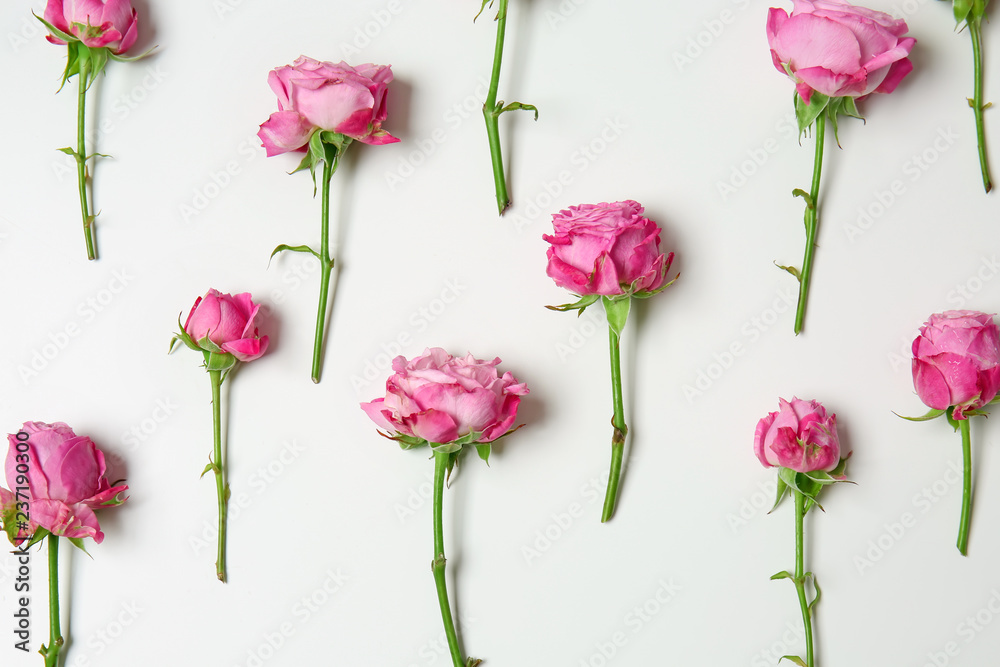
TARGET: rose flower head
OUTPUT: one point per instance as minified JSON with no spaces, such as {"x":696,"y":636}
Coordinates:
{"x":800,"y":436}
{"x":442,"y":399}
{"x":63,"y":476}
{"x":837,"y":49}
{"x":956,"y":361}
{"x":97,"y":23}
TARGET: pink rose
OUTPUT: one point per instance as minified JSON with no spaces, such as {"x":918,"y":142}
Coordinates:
{"x":96,"y":23}
{"x":837,"y":49}
{"x":606,"y":249}
{"x":956,"y":361}
{"x":440,"y":398}
{"x":226,"y":322}
{"x":799,"y":436}
{"x":63,"y":476}
{"x":320,"y":95}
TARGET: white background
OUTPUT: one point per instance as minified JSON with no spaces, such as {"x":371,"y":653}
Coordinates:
{"x":664,"y":103}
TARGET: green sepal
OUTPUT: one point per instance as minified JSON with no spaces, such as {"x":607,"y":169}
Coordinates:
{"x":39,"y":535}
{"x":580,"y":305}
{"x":405,"y":441}
{"x":78,"y":543}
{"x":218,"y":361}
{"x":838,"y":106}
{"x":306,"y":163}
{"x":784,"y":574}
{"x":456,"y":445}
{"x":780,"y":495}
{"x":617,"y":310}
{"x":931,"y":414}
{"x":484,"y":451}
{"x":951,"y":419}
{"x":805,"y":114}
{"x":794,"y":658}
{"x":517,"y":106}
{"x":98,"y":60}
{"x":791,"y":269}
{"x":295,"y":248}
{"x":56,"y":32}
{"x":130,"y":59}
{"x":962,"y":9}
{"x":183,"y":337}
{"x":633,"y":288}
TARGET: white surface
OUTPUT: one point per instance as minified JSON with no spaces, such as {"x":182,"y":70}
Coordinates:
{"x":603,"y":75}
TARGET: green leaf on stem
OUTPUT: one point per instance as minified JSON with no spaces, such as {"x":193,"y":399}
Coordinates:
{"x":791,"y":269}
{"x":293,"y":248}
{"x":472,"y":662}
{"x":617,"y":309}
{"x":932,"y":414}
{"x":794,"y":658}
{"x":580,"y":305}
{"x":819,"y":592}
{"x":799,"y":192}
{"x":211,"y":467}
{"x":485,"y":2}
{"x":517,"y":106}
{"x":785,"y":574}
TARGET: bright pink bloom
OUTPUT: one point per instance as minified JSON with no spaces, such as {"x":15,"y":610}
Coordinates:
{"x":441,"y":398}
{"x":956,"y":361}
{"x":226,"y":322}
{"x":799,"y":436}
{"x":321,"y":95}
{"x":837,"y":49}
{"x":606,"y":249}
{"x":96,"y":23}
{"x":64,"y":476}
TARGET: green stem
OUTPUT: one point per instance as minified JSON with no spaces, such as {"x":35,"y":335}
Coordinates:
{"x":81,"y":159}
{"x":51,"y":652}
{"x":812,"y":209}
{"x":800,"y":577}
{"x":618,"y":421}
{"x":975,"y":30}
{"x":219,"y":467}
{"x":963,"y":526}
{"x":327,"y":265}
{"x":491,"y":113}
{"x":438,"y":564}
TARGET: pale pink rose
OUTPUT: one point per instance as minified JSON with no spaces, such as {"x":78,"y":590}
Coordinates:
{"x":63,"y":475}
{"x":837,"y":49}
{"x":799,"y":436}
{"x":226,"y":322}
{"x":96,"y":23}
{"x":956,"y":361}
{"x":440,"y":398}
{"x":321,"y":95}
{"x":606,"y":249}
